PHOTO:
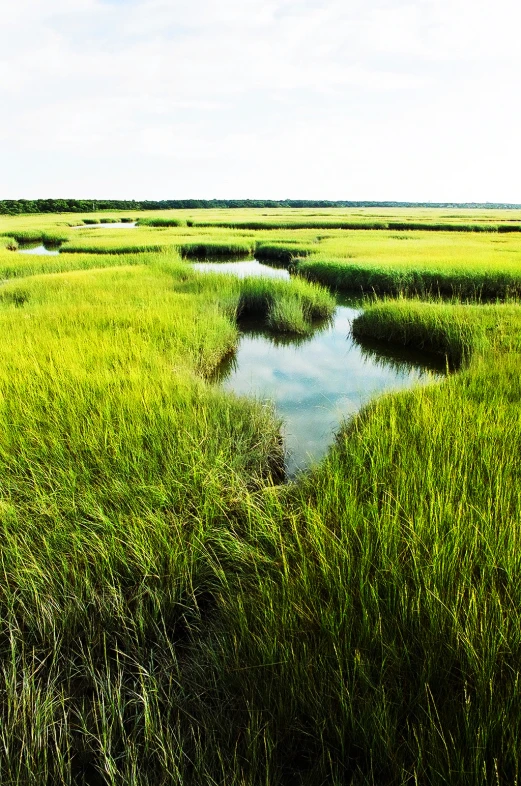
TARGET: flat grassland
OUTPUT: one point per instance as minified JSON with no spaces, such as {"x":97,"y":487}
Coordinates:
{"x":170,"y":612}
{"x":468,"y":254}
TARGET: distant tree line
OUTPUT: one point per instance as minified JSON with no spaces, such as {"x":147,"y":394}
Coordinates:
{"x":22,"y":206}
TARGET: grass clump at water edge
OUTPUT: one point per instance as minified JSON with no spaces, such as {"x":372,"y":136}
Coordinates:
{"x":462,"y":282}
{"x":161,"y":222}
{"x":457,"y":331}
{"x":286,"y":306}
{"x":207,"y":249}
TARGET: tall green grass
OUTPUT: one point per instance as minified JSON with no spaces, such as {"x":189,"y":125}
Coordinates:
{"x":463,"y":282}
{"x":203,"y":250}
{"x":171,"y":614}
{"x":282,"y":253}
{"x":457,"y":331}
{"x":286,"y":307}
{"x":21,"y":265}
{"x":387,"y":632}
{"x":161,"y":222}
{"x":292,"y":309}
{"x":83,"y":247}
{"x":28,"y":236}
{"x":296,"y":223}
{"x":8,"y":243}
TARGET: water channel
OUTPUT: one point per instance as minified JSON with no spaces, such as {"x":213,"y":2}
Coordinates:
{"x":315,"y":382}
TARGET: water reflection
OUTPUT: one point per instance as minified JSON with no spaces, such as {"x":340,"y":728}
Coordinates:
{"x":314,"y":381}
{"x":317,"y":381}
{"x":40,"y":249}
{"x":242,"y":268}
{"x":400,"y":359}
{"x":115,"y":225}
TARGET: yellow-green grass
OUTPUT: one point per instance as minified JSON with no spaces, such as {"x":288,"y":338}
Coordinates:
{"x":8,"y":243}
{"x":454,"y":330}
{"x":170,"y":615}
{"x":104,"y":425}
{"x":15,"y":265}
{"x":466,"y":264}
{"x":30,"y":236}
{"x":401,"y":593}
{"x":283,"y":215}
{"x":383,"y":641}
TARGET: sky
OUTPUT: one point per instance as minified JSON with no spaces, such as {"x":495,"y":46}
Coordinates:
{"x":267,"y":99}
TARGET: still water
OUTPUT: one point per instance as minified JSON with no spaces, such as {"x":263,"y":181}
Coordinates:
{"x":39,"y":249}
{"x":115,"y":225}
{"x":242,"y":269}
{"x":318,"y":381}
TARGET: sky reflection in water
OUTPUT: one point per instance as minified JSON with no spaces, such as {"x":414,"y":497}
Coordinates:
{"x":40,"y":250}
{"x":242,"y":269}
{"x":101,"y":225}
{"x":316,"y":383}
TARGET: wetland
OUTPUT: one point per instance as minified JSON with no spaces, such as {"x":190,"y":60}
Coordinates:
{"x":316,"y":381}
{"x":171,"y":612}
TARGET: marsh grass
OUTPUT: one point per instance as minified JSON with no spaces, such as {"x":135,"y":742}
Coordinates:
{"x":171,"y":614}
{"x":28,"y":236}
{"x":292,"y":309}
{"x":463,"y":282}
{"x":457,"y":331}
{"x":161,"y":222}
{"x":281,"y":253}
{"x":296,"y":223}
{"x":509,"y":228}
{"x":285,"y":315}
{"x":8,"y":243}
{"x":18,"y":297}
{"x":287,"y":307}
{"x":122,"y":249}
{"x":21,"y":265}
{"x":207,"y":249}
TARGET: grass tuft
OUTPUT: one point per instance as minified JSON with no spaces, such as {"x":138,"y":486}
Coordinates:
{"x":204,"y":250}
{"x":161,"y":222}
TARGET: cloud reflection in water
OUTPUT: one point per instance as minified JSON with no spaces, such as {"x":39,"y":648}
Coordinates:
{"x":317,"y":382}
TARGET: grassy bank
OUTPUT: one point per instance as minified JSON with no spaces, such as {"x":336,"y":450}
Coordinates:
{"x":462,"y":281}
{"x":456,"y":331}
{"x":400,"y":226}
{"x":29,"y":236}
{"x":14,"y":265}
{"x":293,"y":308}
{"x":385,"y":626}
{"x":205,"y":248}
{"x":123,"y":249}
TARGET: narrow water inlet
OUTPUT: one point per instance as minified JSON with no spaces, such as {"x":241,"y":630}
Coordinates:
{"x":315,"y":382}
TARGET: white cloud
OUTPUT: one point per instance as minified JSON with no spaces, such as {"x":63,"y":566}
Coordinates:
{"x":340,"y":98}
